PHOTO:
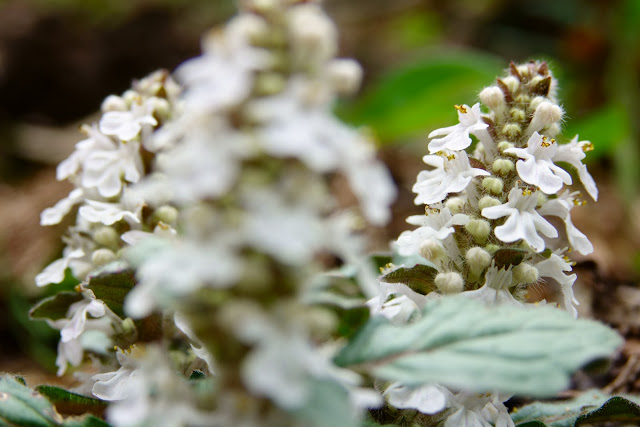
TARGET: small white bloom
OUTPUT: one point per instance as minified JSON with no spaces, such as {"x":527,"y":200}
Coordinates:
{"x":555,"y":268}
{"x":54,"y":272}
{"x":428,"y":398}
{"x":222,"y":76}
{"x":104,"y":169}
{"x":54,"y":215}
{"x":109,"y":213}
{"x":436,"y":224}
{"x":537,"y":167}
{"x":561,"y":208}
{"x":126,"y":125}
{"x":180,"y":269}
{"x":478,"y":410}
{"x":198,"y":348}
{"x":573,"y":153}
{"x":523,"y":220}
{"x":115,"y":385}
{"x":96,"y":141}
{"x":457,"y":137}
{"x":496,"y":287}
{"x":451,"y":174}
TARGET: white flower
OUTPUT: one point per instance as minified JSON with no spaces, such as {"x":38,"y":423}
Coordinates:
{"x":452,"y":174}
{"x":573,"y":153}
{"x":537,"y":167}
{"x":478,"y":410}
{"x":457,"y":137}
{"x":428,"y":398}
{"x":555,"y":268}
{"x":70,"y":349}
{"x":116,"y":385}
{"x":198,"y":349}
{"x":147,"y":391}
{"x":126,"y":125}
{"x":54,"y":215}
{"x":182,"y":268}
{"x":104,"y":169}
{"x":54,"y":272}
{"x":129,"y":209}
{"x":222,"y":76}
{"x":206,"y":162}
{"x":496,"y":287}
{"x":284,"y":366}
{"x":96,"y":141}
{"x":523,"y":220}
{"x":561,"y":208}
{"x":405,"y":304}
{"x":436,"y":224}
{"x":294,"y":241}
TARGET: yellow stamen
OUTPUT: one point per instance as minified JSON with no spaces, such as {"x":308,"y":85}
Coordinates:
{"x":587,"y":147}
{"x":461,"y":108}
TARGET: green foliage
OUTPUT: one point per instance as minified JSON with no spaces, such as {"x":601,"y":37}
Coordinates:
{"x":112,"y":286}
{"x":463,"y":343}
{"x":419,"y":97}
{"x":54,"y":307}
{"x":590,"y":407}
{"x":21,"y":406}
{"x":328,"y":406}
{"x":71,"y":403}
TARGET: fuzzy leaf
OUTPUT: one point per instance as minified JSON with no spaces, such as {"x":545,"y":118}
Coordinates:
{"x":68,"y":403}
{"x":54,"y":307}
{"x":112,"y":286}
{"x":590,"y":407}
{"x":507,"y":257}
{"x":22,"y":407}
{"x":464,"y":343}
{"x":419,"y":277}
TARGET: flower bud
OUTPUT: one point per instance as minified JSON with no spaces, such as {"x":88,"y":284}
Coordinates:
{"x":503,"y":145}
{"x":479,"y":229}
{"x":167,"y":214}
{"x":512,"y":130}
{"x":449,"y":283}
{"x":102,"y":256}
{"x":512,"y":83}
{"x":545,"y":115}
{"x":491,"y":248}
{"x":345,"y":75}
{"x":492,"y":97}
{"x":535,"y":102}
{"x":517,"y":114}
{"x":130,"y":96}
{"x":503,"y":166}
{"x":113,"y":103}
{"x":313,"y":34}
{"x":487,"y":202}
{"x":107,"y":236}
{"x":455,"y":204}
{"x":478,"y":259}
{"x":542,"y":199}
{"x":160,"y":106}
{"x":269,"y":84}
{"x":493,"y":185}
{"x":525,"y":273}
{"x":432,"y":250}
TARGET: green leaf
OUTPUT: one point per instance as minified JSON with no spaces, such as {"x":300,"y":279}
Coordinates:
{"x":54,"y":307}
{"x":420,"y":97}
{"x":68,"y":403}
{"x":112,"y":286}
{"x":590,"y":407}
{"x":328,"y":405}
{"x":22,"y":407}
{"x":419,"y":277}
{"x":506,"y":257}
{"x":463,"y":343}
{"x":606,"y":128}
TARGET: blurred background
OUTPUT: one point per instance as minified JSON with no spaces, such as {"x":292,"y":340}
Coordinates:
{"x":60,"y":58}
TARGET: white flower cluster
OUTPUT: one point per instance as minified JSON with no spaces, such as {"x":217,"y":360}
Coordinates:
{"x":218,"y":195}
{"x":486,"y":230}
{"x":103,"y":168}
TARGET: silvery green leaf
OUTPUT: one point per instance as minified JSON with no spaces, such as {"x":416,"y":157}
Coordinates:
{"x":328,"y":406}
{"x":462,"y":343}
{"x":590,"y":407}
{"x":112,"y":286}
